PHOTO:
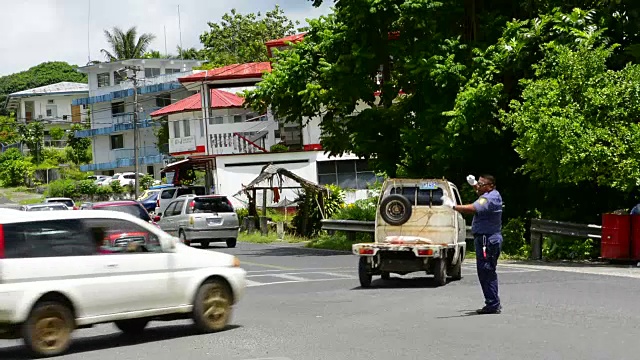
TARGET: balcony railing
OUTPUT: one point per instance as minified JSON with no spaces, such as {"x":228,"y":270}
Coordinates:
{"x":122,"y":122}
{"x":121,"y":158}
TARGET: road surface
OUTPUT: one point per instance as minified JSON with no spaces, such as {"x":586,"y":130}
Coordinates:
{"x":305,"y":304}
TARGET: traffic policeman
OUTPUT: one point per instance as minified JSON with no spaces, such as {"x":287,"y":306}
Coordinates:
{"x":487,"y":235}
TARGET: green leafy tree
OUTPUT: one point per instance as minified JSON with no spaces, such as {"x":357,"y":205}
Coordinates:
{"x":78,"y":148}
{"x":56,"y":133}
{"x":126,"y":45}
{"x":33,"y":137}
{"x":240,"y":38}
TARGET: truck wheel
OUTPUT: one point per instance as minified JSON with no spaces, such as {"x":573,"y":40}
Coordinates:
{"x":386,"y":275}
{"x":47,"y":331}
{"x":363,"y":274}
{"x":231,"y":243}
{"x":456,"y":270}
{"x":440,"y":271}
{"x":395,"y":209}
{"x":204,"y":244}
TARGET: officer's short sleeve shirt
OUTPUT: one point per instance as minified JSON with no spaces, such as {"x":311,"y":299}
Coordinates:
{"x":488,"y":216}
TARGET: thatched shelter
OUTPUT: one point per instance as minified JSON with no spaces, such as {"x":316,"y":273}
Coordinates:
{"x":274,"y":178}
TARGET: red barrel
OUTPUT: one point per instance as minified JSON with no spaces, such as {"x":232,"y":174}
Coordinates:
{"x":616,"y":236}
{"x":635,"y":237}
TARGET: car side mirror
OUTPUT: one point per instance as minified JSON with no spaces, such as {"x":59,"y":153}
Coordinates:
{"x":156,"y":218}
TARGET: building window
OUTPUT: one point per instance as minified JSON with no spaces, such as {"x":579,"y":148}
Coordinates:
{"x":104,"y":80}
{"x":117,"y":142}
{"x":163,"y":100}
{"x":187,"y":128}
{"x":117,"y":108}
{"x":118,"y":78}
{"x":201,"y":128}
{"x":237,"y":118}
{"x":176,"y":129}
{"x":216,"y":120}
{"x":151,"y":72}
{"x":347,"y":174}
{"x":52,"y":111}
{"x":172,"y":71}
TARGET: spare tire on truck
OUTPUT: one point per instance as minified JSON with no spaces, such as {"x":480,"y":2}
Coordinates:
{"x":395,"y":209}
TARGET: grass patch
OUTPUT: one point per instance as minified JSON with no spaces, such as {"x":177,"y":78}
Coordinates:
{"x":331,"y":242}
{"x":271,"y":237}
{"x":31,"y":201}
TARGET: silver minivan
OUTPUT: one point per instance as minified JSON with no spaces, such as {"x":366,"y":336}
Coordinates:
{"x":201,"y":219}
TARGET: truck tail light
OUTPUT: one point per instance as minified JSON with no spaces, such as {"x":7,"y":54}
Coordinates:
{"x":366,"y":251}
{"x":1,"y":242}
{"x":425,"y":252}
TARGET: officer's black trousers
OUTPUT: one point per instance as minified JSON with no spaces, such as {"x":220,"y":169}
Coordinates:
{"x":487,"y":270}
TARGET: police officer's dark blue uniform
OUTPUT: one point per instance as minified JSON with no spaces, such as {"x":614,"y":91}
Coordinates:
{"x":487,"y":235}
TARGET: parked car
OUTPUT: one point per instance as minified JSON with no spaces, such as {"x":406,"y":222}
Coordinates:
{"x":415,"y":232}
{"x":58,"y":277}
{"x":171,"y":193}
{"x":45,"y":207}
{"x":201,"y":219}
{"x":149,"y":199}
{"x":127,"y":178}
{"x":67,"y":201}
{"x":127,"y":206}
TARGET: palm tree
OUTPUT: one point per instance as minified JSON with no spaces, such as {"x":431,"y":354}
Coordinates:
{"x":126,"y":45}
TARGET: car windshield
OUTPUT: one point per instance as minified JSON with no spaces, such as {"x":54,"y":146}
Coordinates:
{"x":149,"y":194}
{"x":135,"y":210}
{"x":210,"y":205}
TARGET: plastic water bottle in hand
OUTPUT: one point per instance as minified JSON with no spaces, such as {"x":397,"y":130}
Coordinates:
{"x":446,"y":201}
{"x":472,"y":180}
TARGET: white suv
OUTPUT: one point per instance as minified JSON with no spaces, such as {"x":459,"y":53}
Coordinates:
{"x":66,"y":270}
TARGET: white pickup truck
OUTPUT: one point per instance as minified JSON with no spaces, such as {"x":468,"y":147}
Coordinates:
{"x":414,"y":232}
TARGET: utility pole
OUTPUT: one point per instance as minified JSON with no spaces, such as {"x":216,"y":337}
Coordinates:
{"x":134,"y":78}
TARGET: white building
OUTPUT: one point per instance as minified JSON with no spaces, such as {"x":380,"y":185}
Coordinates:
{"x":111,"y":104}
{"x":52,"y":105}
{"x":239,"y":141}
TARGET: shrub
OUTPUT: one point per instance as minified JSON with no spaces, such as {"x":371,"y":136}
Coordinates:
{"x":307,"y":220}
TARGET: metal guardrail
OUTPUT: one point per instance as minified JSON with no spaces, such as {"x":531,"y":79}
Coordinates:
{"x":541,"y":227}
{"x":538,"y":228}
{"x":352,"y":227}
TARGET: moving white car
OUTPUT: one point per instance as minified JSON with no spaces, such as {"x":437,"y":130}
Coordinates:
{"x":58,"y":274}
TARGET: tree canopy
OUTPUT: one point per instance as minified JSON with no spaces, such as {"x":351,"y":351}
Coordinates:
{"x":240,"y":38}
{"x":540,"y":93}
{"x":126,"y":45}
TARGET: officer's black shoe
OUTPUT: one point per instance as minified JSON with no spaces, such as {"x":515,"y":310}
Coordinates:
{"x":486,"y":310}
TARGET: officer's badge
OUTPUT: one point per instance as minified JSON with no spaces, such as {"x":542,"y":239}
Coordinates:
{"x":482,"y":201}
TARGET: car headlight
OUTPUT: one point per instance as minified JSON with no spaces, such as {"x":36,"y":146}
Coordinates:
{"x":236,"y":262}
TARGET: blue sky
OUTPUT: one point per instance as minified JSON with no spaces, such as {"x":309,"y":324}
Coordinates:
{"x":35,"y":31}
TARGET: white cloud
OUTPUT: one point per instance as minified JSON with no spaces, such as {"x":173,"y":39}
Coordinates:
{"x":36,"y":31}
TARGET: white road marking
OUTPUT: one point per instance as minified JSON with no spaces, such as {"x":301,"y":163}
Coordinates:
{"x":288,"y":277}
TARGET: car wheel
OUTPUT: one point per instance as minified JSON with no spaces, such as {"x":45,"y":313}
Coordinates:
{"x":395,"y":209}
{"x":183,"y":238}
{"x":47,"y":330}
{"x":440,"y":271}
{"x":132,"y":326}
{"x":231,"y":243}
{"x":212,"y":306}
{"x":363,"y":273}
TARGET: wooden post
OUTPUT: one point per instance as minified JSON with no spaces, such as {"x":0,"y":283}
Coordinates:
{"x":264,"y":229}
{"x":264,"y":203}
{"x":536,"y":246}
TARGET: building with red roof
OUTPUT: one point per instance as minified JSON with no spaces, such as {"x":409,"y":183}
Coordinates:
{"x":217,"y":133}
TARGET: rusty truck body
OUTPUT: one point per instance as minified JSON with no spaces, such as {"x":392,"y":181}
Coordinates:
{"x":414,"y":232}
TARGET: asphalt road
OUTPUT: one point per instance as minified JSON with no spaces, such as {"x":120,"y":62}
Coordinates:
{"x":306,"y":304}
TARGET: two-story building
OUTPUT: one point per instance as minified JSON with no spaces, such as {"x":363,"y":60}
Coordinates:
{"x":239,"y":141}
{"x":52,"y":105}
{"x":111,"y":103}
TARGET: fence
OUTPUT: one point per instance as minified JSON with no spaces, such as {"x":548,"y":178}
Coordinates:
{"x":538,"y":228}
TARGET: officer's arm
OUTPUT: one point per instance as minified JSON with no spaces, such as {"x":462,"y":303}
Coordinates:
{"x":480,"y":205}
